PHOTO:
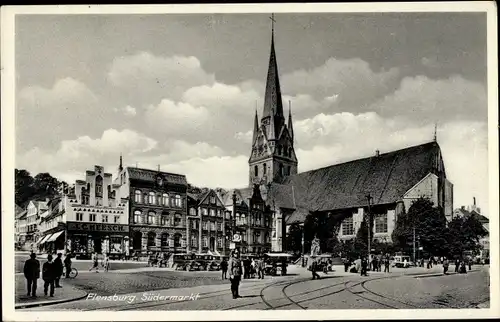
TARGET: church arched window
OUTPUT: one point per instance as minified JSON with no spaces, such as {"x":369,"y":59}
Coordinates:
{"x":264,"y":168}
{"x":256,"y":171}
{"x":290,"y":152}
{"x":281,"y":169}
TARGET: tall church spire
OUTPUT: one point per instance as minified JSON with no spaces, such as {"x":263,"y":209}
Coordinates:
{"x":290,"y":124}
{"x":255,"y":127}
{"x":120,"y":167}
{"x":273,"y":105}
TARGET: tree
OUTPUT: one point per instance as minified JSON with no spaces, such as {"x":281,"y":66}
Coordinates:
{"x":361,"y":240}
{"x":464,"y":235}
{"x":324,"y":227}
{"x":23,"y":187}
{"x":429,"y":224}
{"x":42,"y":186}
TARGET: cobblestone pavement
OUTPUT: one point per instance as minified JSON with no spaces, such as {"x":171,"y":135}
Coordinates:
{"x":334,"y":291}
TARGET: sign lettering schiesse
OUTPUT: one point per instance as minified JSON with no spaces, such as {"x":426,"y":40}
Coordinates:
{"x":97,"y":227}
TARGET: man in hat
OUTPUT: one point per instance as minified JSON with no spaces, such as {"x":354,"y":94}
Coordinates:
{"x":235,"y":272}
{"x":314,"y":268}
{"x":32,"y":274}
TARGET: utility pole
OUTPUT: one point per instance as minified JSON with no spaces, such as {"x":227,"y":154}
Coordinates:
{"x":369,"y":197}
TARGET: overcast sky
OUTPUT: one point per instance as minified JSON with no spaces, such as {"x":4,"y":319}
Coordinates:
{"x":181,"y":91}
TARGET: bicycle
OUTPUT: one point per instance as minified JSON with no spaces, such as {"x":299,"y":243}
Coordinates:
{"x":72,"y":274}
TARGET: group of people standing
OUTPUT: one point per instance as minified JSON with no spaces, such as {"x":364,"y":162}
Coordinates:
{"x":250,"y":267}
{"x":95,"y":262}
{"x":52,"y":271}
{"x":362,"y":263}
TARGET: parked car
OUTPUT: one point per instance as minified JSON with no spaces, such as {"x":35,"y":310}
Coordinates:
{"x":399,"y":261}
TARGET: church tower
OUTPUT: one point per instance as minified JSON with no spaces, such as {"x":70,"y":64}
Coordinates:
{"x":273,"y":155}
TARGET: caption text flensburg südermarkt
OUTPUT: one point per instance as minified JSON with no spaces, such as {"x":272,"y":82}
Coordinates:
{"x":145,"y":297}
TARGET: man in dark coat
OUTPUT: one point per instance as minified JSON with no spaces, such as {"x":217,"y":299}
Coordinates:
{"x":58,"y":267}
{"x":364,"y":267}
{"x":67,"y":264}
{"x":49,"y":275}
{"x":223,"y":267}
{"x":314,"y":268}
{"x":235,"y":273}
{"x":32,"y":274}
{"x":261,"y":267}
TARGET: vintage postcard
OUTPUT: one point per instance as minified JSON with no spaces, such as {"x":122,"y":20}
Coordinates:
{"x":197,"y":162}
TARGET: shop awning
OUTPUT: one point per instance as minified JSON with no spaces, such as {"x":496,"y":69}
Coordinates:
{"x":44,"y":239}
{"x":54,"y":236}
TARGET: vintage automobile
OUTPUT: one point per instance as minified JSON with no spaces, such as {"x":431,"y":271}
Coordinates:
{"x":214,"y":264}
{"x":180,"y":261}
{"x":401,"y":261}
{"x":276,"y":263}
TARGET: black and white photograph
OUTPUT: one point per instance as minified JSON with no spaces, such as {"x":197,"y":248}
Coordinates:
{"x":274,"y":159}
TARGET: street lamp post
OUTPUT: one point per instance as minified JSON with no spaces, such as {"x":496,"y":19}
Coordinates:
{"x":369,"y":197}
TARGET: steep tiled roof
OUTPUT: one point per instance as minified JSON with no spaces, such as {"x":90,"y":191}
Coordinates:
{"x":298,"y":216}
{"x":464,"y":212}
{"x":385,"y":177}
{"x":21,"y":215}
{"x":150,"y":175}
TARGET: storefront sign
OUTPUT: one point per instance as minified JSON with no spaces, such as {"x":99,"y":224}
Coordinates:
{"x":79,"y":226}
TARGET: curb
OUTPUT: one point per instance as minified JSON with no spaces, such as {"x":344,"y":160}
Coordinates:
{"x":46,"y":303}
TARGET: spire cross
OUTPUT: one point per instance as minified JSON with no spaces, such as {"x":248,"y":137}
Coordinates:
{"x":273,"y":21}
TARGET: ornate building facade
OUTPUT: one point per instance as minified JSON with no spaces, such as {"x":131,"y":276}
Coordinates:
{"x":158,"y":209}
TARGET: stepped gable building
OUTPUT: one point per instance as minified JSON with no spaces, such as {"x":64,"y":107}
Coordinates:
{"x":252,"y":219}
{"x":207,"y":223}
{"x":389,"y":181}
{"x":158,"y":209}
{"x":86,"y":218}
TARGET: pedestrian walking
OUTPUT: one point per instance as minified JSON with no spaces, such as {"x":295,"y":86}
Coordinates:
{"x":95,"y":263}
{"x":314,"y":268}
{"x":235,"y":273}
{"x":223,"y":267}
{"x":364,"y":267}
{"x":463,"y":269}
{"x":445,"y":266}
{"x":260,"y":268}
{"x":67,"y":264}
{"x":457,"y":265}
{"x":32,"y":274}
{"x":105,"y":262}
{"x":386,"y":264}
{"x":470,"y":264}
{"x":58,"y":267}
{"x":49,"y":273}
{"x":374,"y":264}
{"x":346,"y":265}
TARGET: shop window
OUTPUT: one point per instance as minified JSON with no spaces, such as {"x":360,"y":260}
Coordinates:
{"x":104,"y":218}
{"x":115,"y":244}
{"x":92,"y":217}
{"x":138,"y":196}
{"x":117,"y":219}
{"x":348,"y":226}
{"x":79,"y":216}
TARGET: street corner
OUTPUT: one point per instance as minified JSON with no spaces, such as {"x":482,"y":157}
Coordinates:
{"x":67,"y":293}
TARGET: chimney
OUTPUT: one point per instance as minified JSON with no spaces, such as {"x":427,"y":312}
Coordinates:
{"x":474,"y":198}
{"x":377,"y":153}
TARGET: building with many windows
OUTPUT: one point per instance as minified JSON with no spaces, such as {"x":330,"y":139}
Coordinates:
{"x":252,"y":219}
{"x":207,"y":218}
{"x":89,"y":217}
{"x":158,"y":209}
